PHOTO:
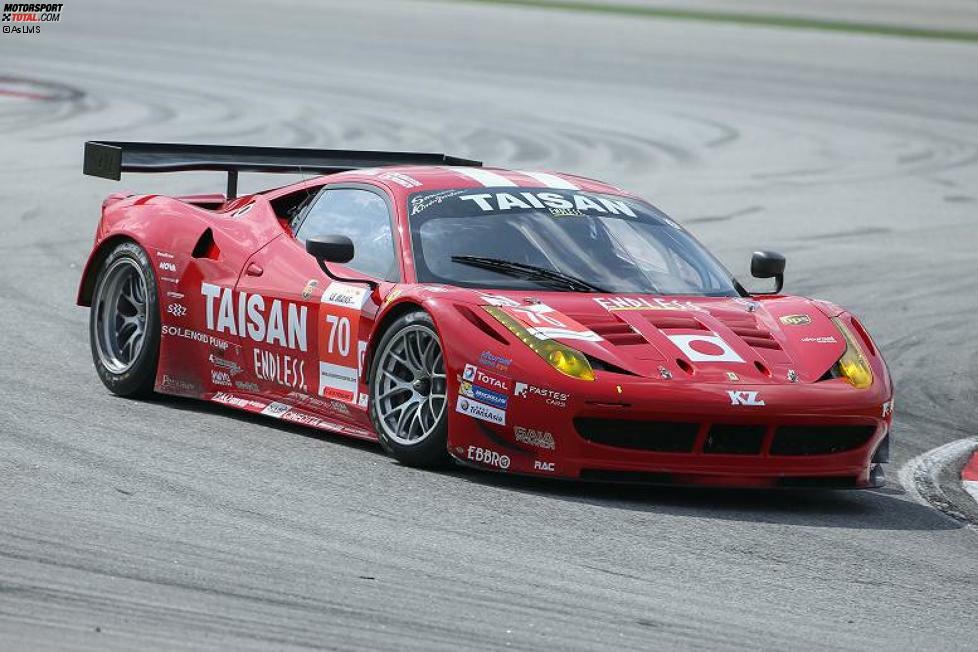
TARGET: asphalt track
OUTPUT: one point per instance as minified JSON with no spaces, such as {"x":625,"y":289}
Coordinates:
{"x":173,"y":524}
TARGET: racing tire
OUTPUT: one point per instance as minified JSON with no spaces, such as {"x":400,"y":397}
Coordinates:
{"x":409,"y":392}
{"x":124,"y":322}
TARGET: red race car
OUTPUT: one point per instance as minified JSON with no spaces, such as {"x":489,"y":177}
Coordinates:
{"x":518,"y":321}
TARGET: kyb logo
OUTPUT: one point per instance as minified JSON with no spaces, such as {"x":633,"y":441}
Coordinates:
{"x":744,"y":398}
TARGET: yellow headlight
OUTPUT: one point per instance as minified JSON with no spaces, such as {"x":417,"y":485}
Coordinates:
{"x":562,"y":358}
{"x":853,"y":365}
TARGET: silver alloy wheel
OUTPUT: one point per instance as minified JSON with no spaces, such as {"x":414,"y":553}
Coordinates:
{"x":120,"y":315}
{"x":409,"y":386}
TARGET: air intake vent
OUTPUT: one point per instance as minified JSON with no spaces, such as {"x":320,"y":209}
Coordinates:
{"x":734,"y":440}
{"x":820,"y":440}
{"x":658,"y":436}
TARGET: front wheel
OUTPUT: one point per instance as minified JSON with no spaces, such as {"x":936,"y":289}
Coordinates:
{"x":124,"y":324}
{"x":408,"y":392}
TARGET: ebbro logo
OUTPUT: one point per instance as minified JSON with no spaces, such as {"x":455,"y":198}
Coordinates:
{"x":27,"y":16}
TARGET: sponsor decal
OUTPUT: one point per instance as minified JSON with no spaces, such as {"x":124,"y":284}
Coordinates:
{"x":174,"y":295}
{"x":197,"y":336}
{"x":400,"y":179}
{"x":552,"y":397}
{"x":539,"y":465}
{"x":705,"y":348}
{"x":483,"y":395}
{"x":237,"y":401}
{"x":337,"y":381}
{"x":285,"y":370}
{"x":792,"y":376}
{"x":220,"y":377}
{"x":488,"y":457}
{"x":177,"y":309}
{"x":393,"y":294}
{"x":164,"y":254}
{"x":732,"y":376}
{"x":309,"y":288}
{"x":826,"y":339}
{"x":473,"y":374}
{"x":499,"y":300}
{"x":744,"y":398}
{"x":545,"y":323}
{"x":247,"y":386}
{"x":275,"y":409}
{"x":339,"y":323}
{"x":172,"y":384}
{"x":231,"y":366}
{"x":481,"y":411}
{"x":614,"y":304}
{"x":252,"y":316}
{"x":565,"y":212}
{"x":795,"y":320}
{"x":583,"y":203}
{"x":170,"y":279}
{"x":493,"y":361}
{"x":537,"y":438}
{"x":362,"y":400}
{"x":887,"y":408}
{"x":421,"y":203}
{"x":167,"y":266}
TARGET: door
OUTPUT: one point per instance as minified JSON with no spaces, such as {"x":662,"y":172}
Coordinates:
{"x":310,"y":333}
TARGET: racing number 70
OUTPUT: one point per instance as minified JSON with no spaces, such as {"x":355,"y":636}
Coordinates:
{"x":339,"y":335}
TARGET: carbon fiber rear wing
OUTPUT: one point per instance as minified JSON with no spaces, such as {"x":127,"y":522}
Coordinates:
{"x":109,"y":159}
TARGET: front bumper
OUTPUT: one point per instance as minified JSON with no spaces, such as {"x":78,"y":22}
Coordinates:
{"x":670,"y":432}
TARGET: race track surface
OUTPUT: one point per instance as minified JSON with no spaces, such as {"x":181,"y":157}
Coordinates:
{"x":174,"y":524}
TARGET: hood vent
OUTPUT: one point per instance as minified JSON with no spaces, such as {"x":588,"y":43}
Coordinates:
{"x":745,"y":327}
{"x":616,"y":332}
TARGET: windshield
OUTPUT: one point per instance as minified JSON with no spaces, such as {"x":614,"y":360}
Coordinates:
{"x":490,"y":238}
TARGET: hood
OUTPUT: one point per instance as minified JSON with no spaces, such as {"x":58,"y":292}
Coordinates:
{"x":779,"y":339}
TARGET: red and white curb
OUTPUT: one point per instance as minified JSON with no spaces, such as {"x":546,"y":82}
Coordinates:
{"x":969,"y":476}
{"x":933,"y":479}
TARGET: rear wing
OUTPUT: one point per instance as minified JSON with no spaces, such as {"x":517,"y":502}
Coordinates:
{"x":109,"y":159}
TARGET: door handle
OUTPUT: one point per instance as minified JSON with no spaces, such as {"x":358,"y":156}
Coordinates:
{"x":254,"y":270}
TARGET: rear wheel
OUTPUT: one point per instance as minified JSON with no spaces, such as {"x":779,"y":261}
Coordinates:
{"x":124,"y":323}
{"x":408,"y":392}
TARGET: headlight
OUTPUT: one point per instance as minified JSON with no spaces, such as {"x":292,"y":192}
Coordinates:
{"x":853,"y":365}
{"x":562,"y":358}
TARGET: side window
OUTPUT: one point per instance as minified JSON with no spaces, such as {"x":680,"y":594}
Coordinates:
{"x":361,"y":216}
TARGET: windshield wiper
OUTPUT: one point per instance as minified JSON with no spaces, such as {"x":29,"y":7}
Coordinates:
{"x":529,"y":272}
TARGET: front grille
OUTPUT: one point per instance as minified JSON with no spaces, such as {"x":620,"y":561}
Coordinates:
{"x":734,"y":440}
{"x":819,"y":440}
{"x":658,"y":436}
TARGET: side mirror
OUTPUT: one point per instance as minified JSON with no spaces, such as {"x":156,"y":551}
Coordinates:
{"x":334,"y":249}
{"x":331,"y":248}
{"x":768,"y":264}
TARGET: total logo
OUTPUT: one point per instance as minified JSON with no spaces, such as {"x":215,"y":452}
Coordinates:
{"x":488,"y":457}
{"x":554,"y":398}
{"x":473,"y":374}
{"x":744,"y":398}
